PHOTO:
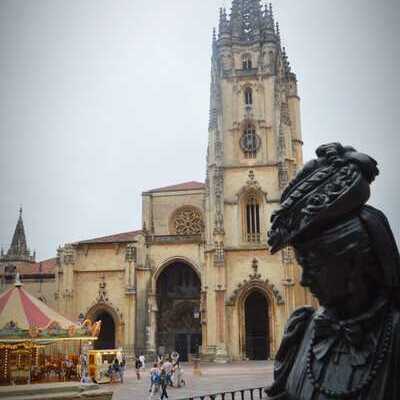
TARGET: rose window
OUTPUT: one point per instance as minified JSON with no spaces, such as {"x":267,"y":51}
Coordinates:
{"x":188,"y":221}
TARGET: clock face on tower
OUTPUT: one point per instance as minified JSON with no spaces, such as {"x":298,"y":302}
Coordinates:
{"x":250,"y":142}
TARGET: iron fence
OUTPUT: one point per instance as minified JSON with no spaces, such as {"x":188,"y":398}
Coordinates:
{"x":240,"y":394}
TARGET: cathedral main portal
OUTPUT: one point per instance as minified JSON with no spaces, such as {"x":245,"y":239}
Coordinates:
{"x":178,"y":321}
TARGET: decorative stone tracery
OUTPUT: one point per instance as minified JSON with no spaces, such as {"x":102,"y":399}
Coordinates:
{"x":102,"y":296}
{"x":252,"y":186}
{"x":187,"y":221}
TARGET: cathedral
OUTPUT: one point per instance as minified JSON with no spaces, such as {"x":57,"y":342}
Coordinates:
{"x":198,"y":276}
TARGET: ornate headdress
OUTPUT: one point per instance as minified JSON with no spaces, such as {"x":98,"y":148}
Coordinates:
{"x":328,"y":188}
{"x":328,"y":195}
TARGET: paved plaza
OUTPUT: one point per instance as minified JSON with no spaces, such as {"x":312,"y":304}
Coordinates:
{"x":214,"y":378}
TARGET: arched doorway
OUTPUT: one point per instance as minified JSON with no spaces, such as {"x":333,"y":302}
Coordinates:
{"x":106,"y":339}
{"x":256,"y":312}
{"x":178,"y":319}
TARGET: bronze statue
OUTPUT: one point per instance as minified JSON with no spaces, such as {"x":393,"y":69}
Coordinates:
{"x":350,"y":347}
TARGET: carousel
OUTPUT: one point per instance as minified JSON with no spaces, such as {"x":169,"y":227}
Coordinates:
{"x":36,"y":343}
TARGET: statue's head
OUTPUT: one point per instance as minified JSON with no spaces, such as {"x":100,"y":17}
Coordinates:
{"x":346,"y":249}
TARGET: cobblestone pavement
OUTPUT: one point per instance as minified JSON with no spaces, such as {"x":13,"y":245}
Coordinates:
{"x":215,"y":378}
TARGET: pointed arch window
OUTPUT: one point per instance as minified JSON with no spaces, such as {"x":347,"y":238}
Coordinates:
{"x":246,"y":62}
{"x":252,"y":218}
{"x":248,"y":96}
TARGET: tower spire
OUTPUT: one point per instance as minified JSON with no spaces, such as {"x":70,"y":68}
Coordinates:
{"x":18,"y":250}
{"x":271,"y":14}
{"x":246,"y":18}
{"x":268,"y":19}
{"x":214,"y":42}
{"x":223,"y":26}
{"x":278,"y":33}
{"x":286,"y":63}
{"x":18,"y":244}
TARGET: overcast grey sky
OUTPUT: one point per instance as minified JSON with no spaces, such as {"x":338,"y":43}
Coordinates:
{"x":103,"y":99}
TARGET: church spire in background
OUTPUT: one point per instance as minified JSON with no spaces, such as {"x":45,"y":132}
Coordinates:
{"x":18,"y":245}
{"x":18,"y":250}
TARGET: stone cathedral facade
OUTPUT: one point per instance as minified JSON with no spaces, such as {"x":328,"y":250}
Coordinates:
{"x":198,"y":276}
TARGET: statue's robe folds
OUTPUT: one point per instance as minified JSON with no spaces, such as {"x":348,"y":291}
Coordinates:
{"x":342,"y":353}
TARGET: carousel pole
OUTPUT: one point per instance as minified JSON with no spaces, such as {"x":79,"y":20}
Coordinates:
{"x":5,"y":363}
{"x":81,"y":319}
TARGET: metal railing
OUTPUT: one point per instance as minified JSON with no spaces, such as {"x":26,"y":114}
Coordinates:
{"x":240,"y":394}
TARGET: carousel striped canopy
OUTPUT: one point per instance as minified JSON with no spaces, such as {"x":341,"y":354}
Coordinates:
{"x":25,"y":311}
{"x":24,"y":317}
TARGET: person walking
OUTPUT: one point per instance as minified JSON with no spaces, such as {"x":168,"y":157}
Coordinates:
{"x":138,"y":365}
{"x":167,"y":367}
{"x":177,"y":377}
{"x":84,"y":368}
{"x":142,"y":360}
{"x":164,"y":384}
{"x":154,"y":380}
{"x":122,"y":366}
{"x":115,"y":370}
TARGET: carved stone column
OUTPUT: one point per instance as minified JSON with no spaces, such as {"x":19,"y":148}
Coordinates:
{"x":203,"y":313}
{"x":221,"y":353}
{"x":151,"y":329}
{"x":289,"y":280}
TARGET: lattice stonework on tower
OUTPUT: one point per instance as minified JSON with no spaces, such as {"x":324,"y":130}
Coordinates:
{"x":187,"y":221}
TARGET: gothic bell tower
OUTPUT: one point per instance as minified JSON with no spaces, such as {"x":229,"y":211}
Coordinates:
{"x":254,"y":148}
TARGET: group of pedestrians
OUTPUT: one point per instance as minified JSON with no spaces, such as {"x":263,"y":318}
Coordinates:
{"x":165,"y":374}
{"x":116,"y":370}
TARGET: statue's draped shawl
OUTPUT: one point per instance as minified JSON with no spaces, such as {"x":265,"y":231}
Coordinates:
{"x":290,"y":372}
{"x":384,"y":248}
